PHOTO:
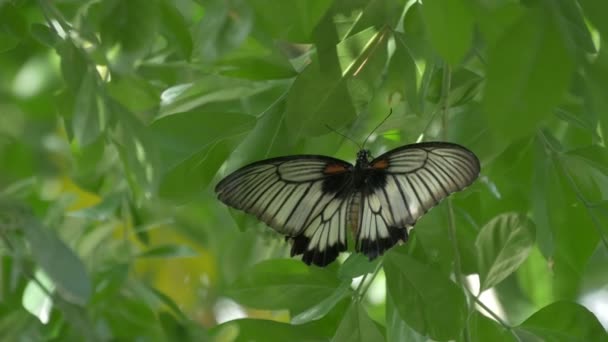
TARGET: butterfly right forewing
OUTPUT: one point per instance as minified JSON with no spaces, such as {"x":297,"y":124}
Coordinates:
{"x":404,"y":184}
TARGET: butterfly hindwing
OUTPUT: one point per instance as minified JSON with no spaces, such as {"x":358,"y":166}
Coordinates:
{"x":403,"y":185}
{"x":377,"y":230}
{"x":302,"y":197}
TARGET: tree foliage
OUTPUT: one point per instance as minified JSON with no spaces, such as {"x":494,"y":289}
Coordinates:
{"x":118,"y":117}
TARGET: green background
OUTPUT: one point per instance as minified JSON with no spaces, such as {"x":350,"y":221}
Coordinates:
{"x":117,"y":119}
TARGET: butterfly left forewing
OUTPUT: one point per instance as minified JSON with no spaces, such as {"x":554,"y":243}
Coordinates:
{"x":302,"y":197}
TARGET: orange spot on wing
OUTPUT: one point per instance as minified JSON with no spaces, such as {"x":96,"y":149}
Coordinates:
{"x":380,"y":164}
{"x":333,"y":169}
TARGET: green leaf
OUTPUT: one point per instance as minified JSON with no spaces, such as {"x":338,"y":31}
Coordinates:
{"x":74,"y":66}
{"x":376,"y":13}
{"x":283,"y":284}
{"x":536,"y":279}
{"x":464,"y":86}
{"x":134,"y":93}
{"x":503,"y":244}
{"x":246,"y":330}
{"x":403,"y":73}
{"x":209,"y":89}
{"x":19,"y":324}
{"x":450,"y":27}
{"x":13,"y":27}
{"x":88,"y":120}
{"x":175,"y":28}
{"x":425,"y":299}
{"x":484,"y":329}
{"x":594,"y":11}
{"x":588,"y":169}
{"x":191,"y":176}
{"x":256,"y":62}
{"x":314,"y":95}
{"x":181,"y":330}
{"x":562,"y":209}
{"x":570,"y":18}
{"x":565,"y":321}
{"x":101,"y":211}
{"x":356,"y":265}
{"x":193,"y":145}
{"x":8,"y":42}
{"x":267,"y":139}
{"x":134,"y":320}
{"x":169,"y":251}
{"x":325,"y":306}
{"x":58,"y":261}
{"x":36,"y":300}
{"x":396,"y":328}
{"x":45,"y":35}
{"x":357,"y":326}
{"x":293,"y":21}
{"x":528,"y":72}
{"x":133,"y":25}
{"x":225,"y":25}
{"x":321,"y":89}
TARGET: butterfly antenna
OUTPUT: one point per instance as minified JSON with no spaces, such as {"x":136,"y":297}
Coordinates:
{"x":380,"y":124}
{"x":344,"y":136}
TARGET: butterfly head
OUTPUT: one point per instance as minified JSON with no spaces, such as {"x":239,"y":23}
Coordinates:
{"x":363,"y":157}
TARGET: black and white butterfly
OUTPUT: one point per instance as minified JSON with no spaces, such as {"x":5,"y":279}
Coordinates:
{"x":312,"y":199}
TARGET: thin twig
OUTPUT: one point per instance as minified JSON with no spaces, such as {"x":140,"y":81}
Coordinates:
{"x":494,"y":315}
{"x":361,"y":284}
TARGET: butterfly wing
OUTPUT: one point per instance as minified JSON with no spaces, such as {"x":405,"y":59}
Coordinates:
{"x":405,"y":183}
{"x":303,"y":197}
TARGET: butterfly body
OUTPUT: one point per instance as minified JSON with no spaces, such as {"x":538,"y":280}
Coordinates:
{"x":313,"y":200}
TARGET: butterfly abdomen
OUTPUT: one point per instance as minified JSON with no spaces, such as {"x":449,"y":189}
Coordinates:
{"x":354,"y":210}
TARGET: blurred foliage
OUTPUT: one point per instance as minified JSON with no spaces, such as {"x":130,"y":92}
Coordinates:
{"x":118,"y":117}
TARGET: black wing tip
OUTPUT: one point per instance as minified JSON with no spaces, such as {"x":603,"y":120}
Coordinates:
{"x":375,"y":248}
{"x":315,"y":256}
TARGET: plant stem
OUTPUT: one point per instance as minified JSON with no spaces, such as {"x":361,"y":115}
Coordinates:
{"x":445,"y":92}
{"x":369,"y":283}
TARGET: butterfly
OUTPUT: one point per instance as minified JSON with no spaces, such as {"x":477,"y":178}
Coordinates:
{"x":313,"y":200}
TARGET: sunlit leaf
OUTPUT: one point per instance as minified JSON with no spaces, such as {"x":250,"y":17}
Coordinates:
{"x":426,"y":300}
{"x":58,"y":261}
{"x":293,"y":21}
{"x":565,"y":321}
{"x":357,"y":326}
{"x":89,"y":116}
{"x":450,"y":27}
{"x":502,"y":246}
{"x":283,"y":284}
{"x":243,"y":330}
{"x":357,"y":265}
{"x":527,"y":74}
{"x":323,"y":307}
{"x":396,"y":328}
{"x":482,"y":328}
{"x":175,"y":27}
{"x":192,"y":147}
